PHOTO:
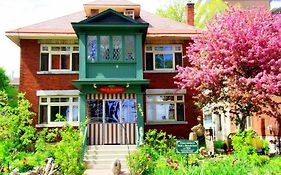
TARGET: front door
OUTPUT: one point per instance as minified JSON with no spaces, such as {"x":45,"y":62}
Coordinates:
{"x":112,"y":121}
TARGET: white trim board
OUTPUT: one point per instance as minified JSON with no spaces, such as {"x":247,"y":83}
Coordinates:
{"x":57,"y":92}
{"x":165,"y":91}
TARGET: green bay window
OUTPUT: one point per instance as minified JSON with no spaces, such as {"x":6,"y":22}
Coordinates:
{"x":110,"y":48}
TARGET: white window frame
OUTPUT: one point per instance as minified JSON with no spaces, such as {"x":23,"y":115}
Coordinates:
{"x":50,"y":52}
{"x":154,"y":102}
{"x":130,"y":13}
{"x":154,"y":51}
{"x":48,"y":103}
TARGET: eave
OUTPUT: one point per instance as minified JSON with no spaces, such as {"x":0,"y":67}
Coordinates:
{"x":16,"y":37}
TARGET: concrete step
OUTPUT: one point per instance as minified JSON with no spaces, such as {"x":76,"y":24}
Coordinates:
{"x":106,"y":156}
{"x":102,"y":156}
{"x":105,"y":147}
{"x":101,"y":164}
{"x":109,"y":152}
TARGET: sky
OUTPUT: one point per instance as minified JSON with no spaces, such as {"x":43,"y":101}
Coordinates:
{"x":19,"y":13}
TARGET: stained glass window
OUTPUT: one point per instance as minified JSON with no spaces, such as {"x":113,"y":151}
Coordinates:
{"x":104,"y":48}
{"x":92,"y":48}
{"x":129,"y":48}
{"x":117,"y":47}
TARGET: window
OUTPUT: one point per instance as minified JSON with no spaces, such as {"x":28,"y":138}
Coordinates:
{"x":112,"y":111}
{"x":59,"y":58}
{"x":163,"y":57}
{"x":65,"y":106}
{"x":161,"y":108}
{"x":129,"y":13}
{"x":107,"y":48}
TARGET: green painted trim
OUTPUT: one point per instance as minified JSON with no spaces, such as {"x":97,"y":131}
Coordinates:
{"x":138,"y":52}
{"x":82,"y":107}
{"x":140,"y":119}
{"x":82,"y":55}
{"x":110,"y":81}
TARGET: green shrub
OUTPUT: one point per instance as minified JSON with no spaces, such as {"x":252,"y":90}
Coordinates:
{"x":21,"y":147}
{"x":219,"y":144}
{"x":139,"y":162}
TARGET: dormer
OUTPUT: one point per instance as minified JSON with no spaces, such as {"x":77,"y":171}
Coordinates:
{"x":125,"y":7}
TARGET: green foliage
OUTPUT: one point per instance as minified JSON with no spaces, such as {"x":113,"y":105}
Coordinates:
{"x":175,"y":11}
{"x":204,"y":12}
{"x":5,"y":86}
{"x":246,"y":143}
{"x":219,"y":144}
{"x":68,"y":151}
{"x":23,"y":148}
{"x":15,"y":123}
{"x":152,"y":159}
{"x":140,"y":162}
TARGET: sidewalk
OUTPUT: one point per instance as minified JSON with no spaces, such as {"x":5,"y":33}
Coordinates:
{"x":105,"y":172}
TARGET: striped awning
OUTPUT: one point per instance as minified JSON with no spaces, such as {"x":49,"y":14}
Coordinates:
{"x":110,"y":96}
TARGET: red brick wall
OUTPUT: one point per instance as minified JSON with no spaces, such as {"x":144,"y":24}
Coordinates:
{"x":166,"y":81}
{"x":30,"y":81}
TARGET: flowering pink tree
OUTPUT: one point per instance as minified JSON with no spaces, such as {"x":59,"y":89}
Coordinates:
{"x":237,"y":60}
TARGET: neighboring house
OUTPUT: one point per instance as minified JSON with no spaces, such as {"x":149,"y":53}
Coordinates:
{"x":249,"y":3}
{"x":15,"y":81}
{"x":112,"y":62}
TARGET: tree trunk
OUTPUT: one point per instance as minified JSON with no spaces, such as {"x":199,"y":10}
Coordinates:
{"x":245,"y":112}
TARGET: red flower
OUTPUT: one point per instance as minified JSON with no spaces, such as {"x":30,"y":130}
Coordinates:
{"x":173,"y":166}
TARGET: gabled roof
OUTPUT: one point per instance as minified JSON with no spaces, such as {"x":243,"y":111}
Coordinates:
{"x":61,"y":27}
{"x":110,"y":20}
{"x":109,"y":17}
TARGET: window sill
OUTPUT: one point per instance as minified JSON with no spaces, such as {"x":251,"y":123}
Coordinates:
{"x":111,"y":62}
{"x":57,"y":72}
{"x":166,"y":123}
{"x":160,"y":71}
{"x":53,"y":125}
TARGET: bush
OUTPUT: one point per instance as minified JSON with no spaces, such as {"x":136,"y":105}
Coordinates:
{"x":21,"y":147}
{"x":153,"y":159}
{"x":247,"y":143}
{"x":139,"y":162}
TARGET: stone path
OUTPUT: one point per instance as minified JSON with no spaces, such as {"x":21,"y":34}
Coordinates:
{"x":104,"y":172}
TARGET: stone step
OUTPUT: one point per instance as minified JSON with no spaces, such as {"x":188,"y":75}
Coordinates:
{"x":109,"y":152}
{"x":105,"y":147}
{"x":102,"y":156}
{"x":106,"y":156}
{"x":100,"y":164}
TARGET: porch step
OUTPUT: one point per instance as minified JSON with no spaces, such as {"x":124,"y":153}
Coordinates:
{"x":102,"y":156}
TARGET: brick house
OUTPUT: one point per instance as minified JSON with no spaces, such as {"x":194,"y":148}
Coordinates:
{"x":112,"y":62}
